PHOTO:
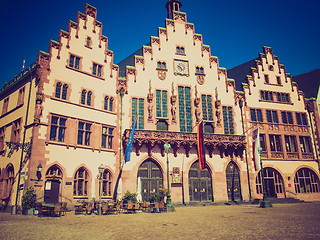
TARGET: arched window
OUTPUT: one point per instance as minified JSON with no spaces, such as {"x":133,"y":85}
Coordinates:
{"x":163,"y":65}
{"x":80,"y":183}
{"x":106,"y":101}
{"x":54,"y":171}
{"x":273,"y":181}
{"x":58,"y":90}
{"x":306,"y":181}
{"x":89,"y":98}
{"x":8,"y":181}
{"x":111,"y":104}
{"x":182,"y":50}
{"x":106,"y":183}
{"x":83,"y":96}
{"x":64,"y":92}
{"x":233,"y":182}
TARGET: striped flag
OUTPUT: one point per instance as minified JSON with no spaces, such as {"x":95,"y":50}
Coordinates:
{"x":129,"y":146}
{"x":256,"y":145}
{"x":201,"y":149}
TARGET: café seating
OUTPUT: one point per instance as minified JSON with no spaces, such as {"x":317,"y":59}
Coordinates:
{"x":57,"y":209}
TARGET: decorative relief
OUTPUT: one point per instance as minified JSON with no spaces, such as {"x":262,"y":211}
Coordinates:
{"x":64,"y":34}
{"x":179,"y":16}
{"x":155,"y":40}
{"x":233,"y":143}
{"x":197,"y":111}
{"x":109,"y":53}
{"x":200,"y":79}
{"x":162,"y":74}
{"x":98,"y":24}
{"x":122,"y":85}
{"x":189,"y":26}
{"x":169,"y":22}
{"x":218,"y":111}
{"x":91,"y":11}
{"x":147,"y":49}
{"x":240,"y":96}
{"x":206,"y":48}
{"x":150,"y":105}
{"x":162,"y":31}
{"x":73,"y":24}
{"x":197,"y":37}
{"x":173,"y":100}
{"x":81,"y":16}
{"x":104,"y":38}
{"x":139,"y":59}
{"x":176,"y":176}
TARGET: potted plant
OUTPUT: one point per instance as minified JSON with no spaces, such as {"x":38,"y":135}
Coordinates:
{"x":154,"y":198}
{"x":129,"y":197}
{"x":163,"y":192}
{"x":29,"y":201}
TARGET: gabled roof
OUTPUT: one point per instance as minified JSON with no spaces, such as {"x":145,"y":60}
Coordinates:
{"x":129,"y":61}
{"x":309,"y":83}
{"x":239,"y":73}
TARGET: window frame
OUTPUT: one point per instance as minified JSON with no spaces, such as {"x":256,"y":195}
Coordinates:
{"x":57,"y":130}
{"x":84,"y":180}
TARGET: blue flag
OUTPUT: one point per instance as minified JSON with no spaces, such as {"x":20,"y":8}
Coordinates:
{"x":129,"y":146}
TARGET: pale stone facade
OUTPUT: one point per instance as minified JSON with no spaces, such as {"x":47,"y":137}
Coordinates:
{"x":81,"y":107}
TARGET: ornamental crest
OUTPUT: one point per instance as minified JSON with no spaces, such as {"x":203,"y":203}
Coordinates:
{"x":162,"y":74}
{"x":200,"y":79}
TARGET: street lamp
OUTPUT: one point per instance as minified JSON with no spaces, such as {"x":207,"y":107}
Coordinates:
{"x":170,"y":207}
{"x":39,"y":169}
{"x":265,"y":202}
{"x":101,"y":170}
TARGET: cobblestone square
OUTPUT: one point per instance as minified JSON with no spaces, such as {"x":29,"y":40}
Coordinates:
{"x":283,"y":221}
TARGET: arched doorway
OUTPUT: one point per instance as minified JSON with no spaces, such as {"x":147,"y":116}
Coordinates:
{"x":151,"y":178}
{"x":52,"y":184}
{"x":273,"y":181}
{"x":233,"y":182}
{"x":200,"y":184}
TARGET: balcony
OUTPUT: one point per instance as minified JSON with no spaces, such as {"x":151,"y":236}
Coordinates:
{"x":226,"y":144}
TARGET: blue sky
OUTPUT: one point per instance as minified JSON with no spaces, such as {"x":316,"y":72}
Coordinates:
{"x":235,"y":30}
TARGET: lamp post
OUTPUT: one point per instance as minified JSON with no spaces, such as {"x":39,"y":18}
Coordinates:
{"x":170,"y":207}
{"x":39,"y":169}
{"x":101,"y":170}
{"x":265,"y":202}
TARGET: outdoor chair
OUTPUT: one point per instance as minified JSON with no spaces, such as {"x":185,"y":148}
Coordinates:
{"x":89,"y":208}
{"x":129,"y":208}
{"x":105,"y":208}
{"x":162,"y":207}
{"x":156,"y":207}
{"x":136,"y":206}
{"x":64,"y":208}
{"x":146,"y":206}
{"x":57,"y":209}
{"x":41,"y":211}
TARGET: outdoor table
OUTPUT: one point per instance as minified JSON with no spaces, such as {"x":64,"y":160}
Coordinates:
{"x":49,"y":207}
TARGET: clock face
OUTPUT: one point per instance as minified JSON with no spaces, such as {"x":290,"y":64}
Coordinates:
{"x":181,"y":67}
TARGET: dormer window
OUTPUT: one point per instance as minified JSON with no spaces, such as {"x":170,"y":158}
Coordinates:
{"x":180,"y":50}
{"x":96,"y":70}
{"x":74,"y":61}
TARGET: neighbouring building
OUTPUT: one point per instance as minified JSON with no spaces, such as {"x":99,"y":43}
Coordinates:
{"x":72,"y":111}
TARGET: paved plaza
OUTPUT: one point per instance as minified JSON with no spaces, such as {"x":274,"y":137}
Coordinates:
{"x":283,"y":221}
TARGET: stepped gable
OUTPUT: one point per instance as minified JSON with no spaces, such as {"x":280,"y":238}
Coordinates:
{"x":309,"y":83}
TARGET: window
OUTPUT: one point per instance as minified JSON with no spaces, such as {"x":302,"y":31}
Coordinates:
{"x":161,"y":103}
{"x":96,"y":70}
{"x":287,"y":117}
{"x":272,"y":116}
{"x":266,"y":78}
{"x":107,"y":137}
{"x":275,"y":143}
{"x":161,"y":65}
{"x":207,"y":107}
{"x":84,"y":132}
{"x":256,"y":115}
{"x":306,"y":181}
{"x":106,"y":183}
{"x":86,"y":97}
{"x":291,"y":144}
{"x":58,"y":128}
{"x":305,"y":144}
{"x":266,"y":95}
{"x":64,"y":91}
{"x":228,"y":120}
{"x":180,"y":50}
{"x":74,"y":62}
{"x":21,"y":96}
{"x":88,"y":42}
{"x":199,"y":70}
{"x":208,"y":128}
{"x":185,"y":118}
{"x":5,"y":105}
{"x":283,"y":97}
{"x":278,"y":80}
{"x":263,"y":142}
{"x":16,"y":129}
{"x":162,"y":125}
{"x":108,"y":103}
{"x":138,"y":109}
{"x":80,"y":185}
{"x":301,"y":119}
{"x":2,"y":136}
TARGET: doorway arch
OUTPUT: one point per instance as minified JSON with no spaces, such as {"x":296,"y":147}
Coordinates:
{"x":52,"y":184}
{"x":151,"y":178}
{"x":200,"y":183}
{"x":273,"y":181}
{"x":233,"y":182}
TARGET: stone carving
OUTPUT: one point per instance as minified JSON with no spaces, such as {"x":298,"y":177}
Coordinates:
{"x":150,"y":106}
{"x":162,"y":74}
{"x":218,"y":111}
{"x":197,"y":111}
{"x":173,"y":102}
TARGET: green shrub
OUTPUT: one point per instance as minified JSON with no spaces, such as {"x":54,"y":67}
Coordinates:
{"x":129,"y":197}
{"x":29,"y":199}
{"x":154,"y":198}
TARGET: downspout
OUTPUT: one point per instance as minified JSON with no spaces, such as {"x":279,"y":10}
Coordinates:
{"x":14,"y":209}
